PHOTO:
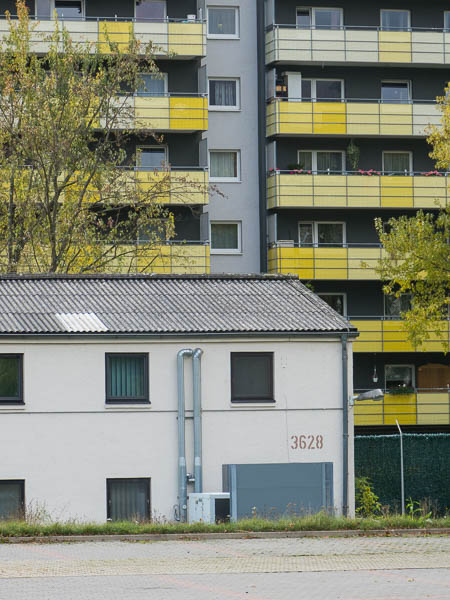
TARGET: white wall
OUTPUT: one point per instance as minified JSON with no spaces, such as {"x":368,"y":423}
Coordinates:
{"x":65,"y":442}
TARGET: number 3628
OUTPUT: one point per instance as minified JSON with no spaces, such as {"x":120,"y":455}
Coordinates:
{"x":306,"y":442}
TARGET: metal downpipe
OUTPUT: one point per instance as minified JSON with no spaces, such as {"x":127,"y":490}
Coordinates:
{"x":182,"y":481}
{"x":197,"y":393}
{"x":344,"y":426}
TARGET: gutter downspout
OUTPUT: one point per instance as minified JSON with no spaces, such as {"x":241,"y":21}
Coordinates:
{"x":182,"y":481}
{"x":344,"y":340}
{"x":197,"y":393}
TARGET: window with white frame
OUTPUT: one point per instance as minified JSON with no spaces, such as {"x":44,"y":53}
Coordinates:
{"x":223,"y":22}
{"x":338,"y":302}
{"x":399,"y":378}
{"x":322,"y":90}
{"x":226,"y":237}
{"x":329,"y":161}
{"x":224,"y":94}
{"x":395,"y":20}
{"x":224,"y":165}
{"x":396,"y":92}
{"x":151,"y":157}
{"x":150,"y":10}
{"x":65,"y":9}
{"x":152,"y":84}
{"x":319,"y":18}
{"x":321,"y":233}
{"x":397,"y":162}
{"x":447,"y":21}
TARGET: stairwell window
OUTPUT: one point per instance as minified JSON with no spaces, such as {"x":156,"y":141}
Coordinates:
{"x":226,"y":237}
{"x":127,"y":378}
{"x":11,"y":379}
{"x":224,"y":165}
{"x":321,"y":234}
{"x":397,"y":163}
{"x":224,"y":94}
{"x":395,"y":20}
{"x":252,"y":377}
{"x":321,"y":161}
{"x":319,"y":18}
{"x":396,"y":92}
{"x":223,"y":22}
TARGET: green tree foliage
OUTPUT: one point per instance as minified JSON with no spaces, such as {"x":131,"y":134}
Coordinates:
{"x":67,"y":204}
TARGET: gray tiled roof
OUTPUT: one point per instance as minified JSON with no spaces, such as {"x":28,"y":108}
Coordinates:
{"x":214,"y":304}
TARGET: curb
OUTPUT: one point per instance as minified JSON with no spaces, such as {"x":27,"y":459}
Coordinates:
{"x":244,"y":535}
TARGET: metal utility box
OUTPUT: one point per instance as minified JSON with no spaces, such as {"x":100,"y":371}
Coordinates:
{"x":274,"y":490}
{"x":209,"y":507}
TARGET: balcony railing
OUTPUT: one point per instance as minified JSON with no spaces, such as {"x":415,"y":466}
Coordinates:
{"x":187,"y":257}
{"x":171,"y":38}
{"x":423,"y":407}
{"x":290,"y":44}
{"x":291,"y":116}
{"x":181,"y":185}
{"x":291,"y":189}
{"x":349,"y":262}
{"x":388,"y":335}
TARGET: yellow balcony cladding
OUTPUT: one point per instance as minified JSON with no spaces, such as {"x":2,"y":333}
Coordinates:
{"x":349,"y":263}
{"x":171,"y":39}
{"x":289,"y":190}
{"x":368,"y":118}
{"x":287,"y":44}
{"x":176,"y":187}
{"x":424,"y":407}
{"x":183,"y":113}
{"x":378,"y":335}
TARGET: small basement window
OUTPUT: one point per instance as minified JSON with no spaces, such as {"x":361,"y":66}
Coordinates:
{"x":252,"y":377}
{"x":12,"y":498}
{"x":127,"y":378}
{"x":128,"y":499}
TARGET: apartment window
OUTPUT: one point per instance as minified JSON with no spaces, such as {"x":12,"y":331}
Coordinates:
{"x":397,"y":163}
{"x":224,"y":165}
{"x":225,"y":237}
{"x":127,"y":378}
{"x":322,"y":90}
{"x":152,"y":84}
{"x":128,"y":499}
{"x":223,"y":22}
{"x":320,"y":18}
{"x":398,"y":377}
{"x":12,"y":499}
{"x":224,"y":94}
{"x":11,"y":379}
{"x":394,"y":307}
{"x":338,"y":302}
{"x":252,"y":377}
{"x":151,"y":157}
{"x":69,"y":10}
{"x":395,"y":20}
{"x":321,"y":160}
{"x":395,"y":92}
{"x":150,"y":10}
{"x":329,"y":234}
{"x":447,"y":21}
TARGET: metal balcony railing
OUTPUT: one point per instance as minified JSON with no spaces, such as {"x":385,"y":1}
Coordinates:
{"x":171,"y":38}
{"x":357,"y":189}
{"x":174,"y":185}
{"x":355,"y":116}
{"x":289,"y":43}
{"x":422,"y":407}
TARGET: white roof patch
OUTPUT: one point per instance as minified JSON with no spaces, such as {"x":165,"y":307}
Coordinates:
{"x":81,"y":322}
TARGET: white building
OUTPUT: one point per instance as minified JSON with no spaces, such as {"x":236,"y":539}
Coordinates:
{"x":91,"y":387}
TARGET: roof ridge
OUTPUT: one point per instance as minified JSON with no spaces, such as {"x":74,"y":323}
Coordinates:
{"x":149,"y":276}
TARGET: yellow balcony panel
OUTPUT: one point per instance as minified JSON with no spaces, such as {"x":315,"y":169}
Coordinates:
{"x":368,"y":412}
{"x":433,"y":408}
{"x":152,"y":113}
{"x":329,"y":190}
{"x":370,"y":337}
{"x":187,"y":39}
{"x":188,"y":113}
{"x":330,"y":263}
{"x":329,"y":118}
{"x":292,"y":260}
{"x":397,"y":192}
{"x":174,"y":258}
{"x":395,"y":46}
{"x":362,"y":262}
{"x":293,"y":117}
{"x":178,"y":187}
{"x":116,"y":32}
{"x":401,"y":407}
{"x":430,"y":192}
{"x":396,"y":119}
{"x":363,"y":118}
{"x":363,"y":191}
{"x":395,"y":338}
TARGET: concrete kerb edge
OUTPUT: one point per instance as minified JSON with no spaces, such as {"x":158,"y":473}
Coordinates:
{"x":164,"y":537}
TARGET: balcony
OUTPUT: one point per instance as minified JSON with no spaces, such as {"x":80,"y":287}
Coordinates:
{"x":356,"y":45}
{"x":171,"y":38}
{"x":423,"y":407}
{"x":352,"y":262}
{"x":350,"y":117}
{"x":181,"y":186}
{"x":287,"y":189}
{"x":386,"y":335}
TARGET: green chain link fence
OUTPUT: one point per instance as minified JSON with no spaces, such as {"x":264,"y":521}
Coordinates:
{"x":426,"y":466}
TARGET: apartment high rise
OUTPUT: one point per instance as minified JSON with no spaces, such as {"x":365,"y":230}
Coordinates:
{"x":309,"y":120}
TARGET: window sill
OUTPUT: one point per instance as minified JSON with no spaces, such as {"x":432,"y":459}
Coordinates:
{"x":224,"y":180}
{"x":226,"y":252}
{"x":12,"y":406}
{"x":217,"y":36}
{"x":224,"y":108}
{"x":256,"y":404}
{"x":128,"y":405}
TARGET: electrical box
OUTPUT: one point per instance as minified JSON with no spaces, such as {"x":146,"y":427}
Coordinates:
{"x":212,"y":507}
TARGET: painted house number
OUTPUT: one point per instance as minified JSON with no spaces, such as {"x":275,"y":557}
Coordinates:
{"x":306,"y":442}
